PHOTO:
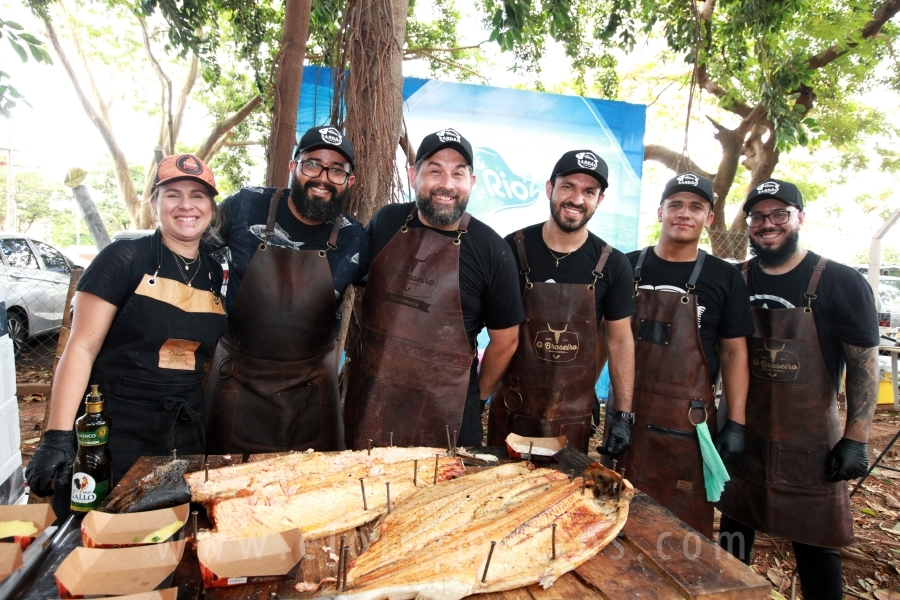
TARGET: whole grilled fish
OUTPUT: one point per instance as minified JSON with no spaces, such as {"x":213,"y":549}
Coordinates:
{"x":163,"y":487}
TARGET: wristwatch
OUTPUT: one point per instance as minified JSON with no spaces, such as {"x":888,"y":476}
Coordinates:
{"x":625,"y":416}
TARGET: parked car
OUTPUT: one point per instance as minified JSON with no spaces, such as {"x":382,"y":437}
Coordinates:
{"x":889,"y":294}
{"x":35,"y":277}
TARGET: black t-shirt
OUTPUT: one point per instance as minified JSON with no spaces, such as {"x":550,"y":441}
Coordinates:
{"x":487,"y":272}
{"x":614,"y":292}
{"x":722,"y":300}
{"x":843,"y":311}
{"x":118,"y":269}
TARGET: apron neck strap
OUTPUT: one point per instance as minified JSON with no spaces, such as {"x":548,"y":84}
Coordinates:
{"x":332,"y":239}
{"x":605,"y":253}
{"x":273,"y":213}
{"x":460,"y":230}
{"x":695,"y":274}
{"x":745,"y":269}
{"x":637,"y":269}
{"x":810,"y":294}
{"x":524,"y":269}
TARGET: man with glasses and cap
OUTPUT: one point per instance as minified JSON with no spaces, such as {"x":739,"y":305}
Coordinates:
{"x":814,"y":320}
{"x":273,"y":382}
{"x":692,"y":320}
{"x":438,"y":277}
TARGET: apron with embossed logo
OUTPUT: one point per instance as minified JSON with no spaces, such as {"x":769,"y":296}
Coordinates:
{"x":273,"y":383}
{"x":548,"y":389}
{"x":673,"y":391}
{"x":780,"y":487}
{"x":409,"y":372}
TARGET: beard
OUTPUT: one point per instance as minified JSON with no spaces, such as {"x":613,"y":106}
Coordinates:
{"x":441,"y":216}
{"x":775,"y":257}
{"x":317,"y":209}
{"x":566,"y":224}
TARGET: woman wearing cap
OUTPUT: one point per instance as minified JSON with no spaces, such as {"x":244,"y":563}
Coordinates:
{"x":148,"y":315}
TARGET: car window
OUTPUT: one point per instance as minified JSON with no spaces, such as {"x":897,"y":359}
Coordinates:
{"x":53,"y":258}
{"x":18,"y":254}
{"x":889,"y":292}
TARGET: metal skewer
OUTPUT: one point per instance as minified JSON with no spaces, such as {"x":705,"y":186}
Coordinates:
{"x":530,"y":452}
{"x":583,"y":484}
{"x":437,"y":458}
{"x":370,"y":447}
{"x":174,"y":453}
{"x":387,"y":485}
{"x":206,"y":466}
{"x":346,"y":553}
{"x":488,"y":563}
{"x":449,"y":443}
{"x":620,"y":485}
{"x":363,"y":486}
{"x":415,"y":473}
{"x":554,"y":540}
{"x":392,"y":439}
{"x":340,"y":564}
{"x":614,"y":464}
{"x":194,"y":519}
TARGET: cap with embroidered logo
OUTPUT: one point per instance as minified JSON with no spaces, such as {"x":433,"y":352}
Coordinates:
{"x":582,"y":161}
{"x":445,"y":138}
{"x":690,"y":182}
{"x":776,"y":189}
{"x":324,"y":136}
{"x":184,"y":166}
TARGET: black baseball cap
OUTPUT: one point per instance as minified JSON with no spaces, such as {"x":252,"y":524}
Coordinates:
{"x":325,"y":137}
{"x":777,"y":189}
{"x":445,"y":138}
{"x":690,"y":182}
{"x":582,"y":161}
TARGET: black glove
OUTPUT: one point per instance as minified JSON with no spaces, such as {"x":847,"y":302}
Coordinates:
{"x":730,"y":442}
{"x":51,"y":466}
{"x":619,"y":438}
{"x":848,"y":459}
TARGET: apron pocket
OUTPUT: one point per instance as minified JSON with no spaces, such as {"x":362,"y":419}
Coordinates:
{"x":287,"y":419}
{"x":668,"y":458}
{"x":800,"y":465}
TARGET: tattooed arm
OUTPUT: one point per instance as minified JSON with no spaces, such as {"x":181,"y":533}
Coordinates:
{"x":862,"y":390}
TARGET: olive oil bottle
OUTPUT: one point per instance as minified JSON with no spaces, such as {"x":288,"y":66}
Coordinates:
{"x":92,"y":469}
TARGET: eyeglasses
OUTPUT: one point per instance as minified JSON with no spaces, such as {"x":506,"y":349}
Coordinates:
{"x":314,"y":169}
{"x":778,"y":217}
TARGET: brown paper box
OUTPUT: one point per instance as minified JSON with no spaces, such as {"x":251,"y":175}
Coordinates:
{"x":272,"y":557}
{"x":108,"y":530}
{"x":117,"y":571}
{"x":40,"y":514}
{"x":10,"y":559}
{"x":544,"y":447}
{"x":166,"y":594}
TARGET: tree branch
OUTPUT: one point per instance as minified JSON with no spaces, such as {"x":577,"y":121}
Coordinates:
{"x":413,"y":52}
{"x":673,"y":160}
{"x":703,"y":80}
{"x":168,"y":141}
{"x":207,"y":149}
{"x":705,"y":12}
{"x":454,"y":65}
{"x":884,"y":14}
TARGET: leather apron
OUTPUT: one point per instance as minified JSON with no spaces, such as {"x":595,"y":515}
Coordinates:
{"x":780,"y":487}
{"x":548,"y":388}
{"x":409,"y":374}
{"x":673,"y":391}
{"x":273,"y":383}
{"x":150,"y":368}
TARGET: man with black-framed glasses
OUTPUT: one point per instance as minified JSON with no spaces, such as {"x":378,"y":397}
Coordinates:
{"x":293,"y":253}
{"x":813,"y":319}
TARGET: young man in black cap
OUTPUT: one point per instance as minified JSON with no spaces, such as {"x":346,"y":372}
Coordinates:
{"x":813,"y":318}
{"x":692,"y":317}
{"x":438,"y":277}
{"x":570,"y":280}
{"x":273,"y":383}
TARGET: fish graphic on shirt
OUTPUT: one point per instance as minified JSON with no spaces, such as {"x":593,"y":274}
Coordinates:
{"x":279,"y":238}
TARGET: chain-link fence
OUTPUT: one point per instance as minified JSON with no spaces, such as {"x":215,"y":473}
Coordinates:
{"x":35,"y":279}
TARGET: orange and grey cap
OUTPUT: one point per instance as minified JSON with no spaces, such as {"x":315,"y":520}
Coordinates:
{"x":185,"y":166}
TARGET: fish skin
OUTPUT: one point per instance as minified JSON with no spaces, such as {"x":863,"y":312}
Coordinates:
{"x":163,"y":487}
{"x":511,"y":505}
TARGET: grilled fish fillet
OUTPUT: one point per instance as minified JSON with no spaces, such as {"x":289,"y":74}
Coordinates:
{"x":320,"y":495}
{"x":436,"y":544}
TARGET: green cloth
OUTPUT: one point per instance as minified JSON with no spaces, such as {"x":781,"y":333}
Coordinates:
{"x":714,"y":473}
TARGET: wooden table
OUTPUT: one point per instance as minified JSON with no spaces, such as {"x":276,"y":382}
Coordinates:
{"x":657,"y":557}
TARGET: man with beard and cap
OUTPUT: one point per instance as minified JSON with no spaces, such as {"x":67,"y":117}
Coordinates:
{"x":692,"y":320}
{"x":815,"y":319}
{"x":570,"y":280}
{"x":273,"y":382}
{"x":438,"y":277}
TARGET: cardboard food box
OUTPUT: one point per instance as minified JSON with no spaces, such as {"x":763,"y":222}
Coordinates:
{"x":166,"y":594}
{"x":544,"y":447}
{"x":108,"y":530}
{"x":117,"y":571}
{"x":272,"y":557}
{"x":40,"y":514}
{"x":10,"y":559}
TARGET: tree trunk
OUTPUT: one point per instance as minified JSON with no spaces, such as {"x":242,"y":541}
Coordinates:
{"x":288,"y":77}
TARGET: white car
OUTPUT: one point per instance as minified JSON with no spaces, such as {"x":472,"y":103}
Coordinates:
{"x":35,"y":277}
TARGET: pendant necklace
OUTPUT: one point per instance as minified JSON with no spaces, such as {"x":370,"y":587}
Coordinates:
{"x":182,"y":272}
{"x":558,"y":258}
{"x":187,"y":265}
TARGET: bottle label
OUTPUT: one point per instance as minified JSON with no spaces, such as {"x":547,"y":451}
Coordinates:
{"x":87,"y":493}
{"x":93,"y":438}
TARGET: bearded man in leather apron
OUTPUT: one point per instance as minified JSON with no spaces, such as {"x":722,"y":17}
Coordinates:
{"x":438,"y":277}
{"x":692,"y":315}
{"x":570,"y":280}
{"x":813,"y":318}
{"x":273,"y":382}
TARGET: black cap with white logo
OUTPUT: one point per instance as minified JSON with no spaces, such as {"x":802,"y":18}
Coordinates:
{"x":445,"y":138}
{"x":690,"y":182}
{"x":777,"y":189}
{"x":325,"y":137}
{"x":582,"y":161}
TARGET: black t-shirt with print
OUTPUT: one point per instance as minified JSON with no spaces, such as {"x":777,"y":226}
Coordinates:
{"x":614,"y":292}
{"x":843,"y":311}
{"x":722,"y":299}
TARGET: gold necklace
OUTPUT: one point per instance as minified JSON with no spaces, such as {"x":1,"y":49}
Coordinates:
{"x":180,"y":271}
{"x":187,"y":265}
{"x":557,"y":258}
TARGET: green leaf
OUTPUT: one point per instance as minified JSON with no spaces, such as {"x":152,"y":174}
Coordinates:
{"x":19,"y":50}
{"x":868,"y":511}
{"x":13,"y":25}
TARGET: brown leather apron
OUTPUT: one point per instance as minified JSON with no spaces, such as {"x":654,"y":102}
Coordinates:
{"x":410,"y":373}
{"x":673,"y":391}
{"x":548,"y":389}
{"x":273,"y":382}
{"x":780,"y":487}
